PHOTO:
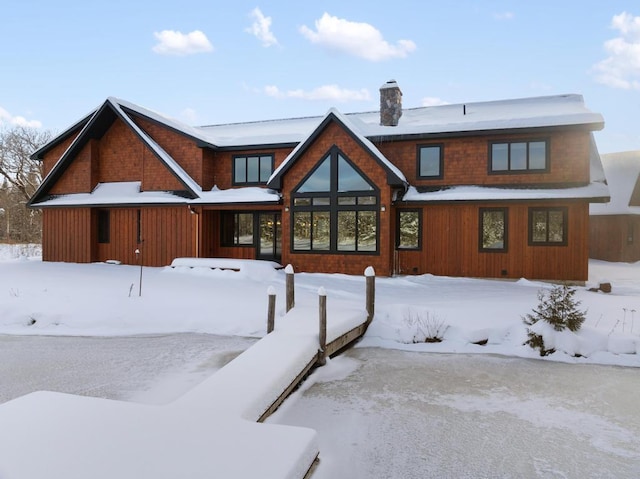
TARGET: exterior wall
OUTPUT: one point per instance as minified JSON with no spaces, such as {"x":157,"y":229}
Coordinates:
{"x":52,"y":157}
{"x":78,"y":176}
{"x":450,"y":245}
{"x":120,"y":153}
{"x":70,"y":234}
{"x":466,"y":160}
{"x":333,"y":263}
{"x":67,"y":235}
{"x":219,"y":164}
{"x":609,"y":238}
{"x":167,"y":233}
{"x":211,"y":239}
{"x":182,"y":149}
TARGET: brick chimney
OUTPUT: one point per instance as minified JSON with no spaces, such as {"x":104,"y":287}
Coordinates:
{"x":390,"y":104}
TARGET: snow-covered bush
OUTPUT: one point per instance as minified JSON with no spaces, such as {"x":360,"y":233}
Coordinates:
{"x":558,"y":308}
{"x":425,"y":326}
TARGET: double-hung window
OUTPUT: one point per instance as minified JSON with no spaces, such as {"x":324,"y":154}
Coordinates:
{"x":430,"y":161}
{"x":335,"y":209}
{"x":518,"y":156}
{"x":252,"y":169}
{"x":548,"y":226}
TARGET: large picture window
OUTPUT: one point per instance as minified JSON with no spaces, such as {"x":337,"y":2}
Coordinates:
{"x":493,"y":229}
{"x":548,"y":226}
{"x":237,"y":229}
{"x":518,"y":156}
{"x":335,"y":209}
{"x":252,"y":169}
{"x":430,"y":162}
{"x":409,"y":229}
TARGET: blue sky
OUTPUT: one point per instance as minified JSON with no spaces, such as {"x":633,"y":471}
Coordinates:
{"x":208,"y":62}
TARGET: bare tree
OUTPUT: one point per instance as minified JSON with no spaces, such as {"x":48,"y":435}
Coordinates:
{"x":20,"y":177}
{"x":16,"y":146}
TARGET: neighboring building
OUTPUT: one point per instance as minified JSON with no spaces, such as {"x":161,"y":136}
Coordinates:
{"x":495,"y":189}
{"x":614,"y":227}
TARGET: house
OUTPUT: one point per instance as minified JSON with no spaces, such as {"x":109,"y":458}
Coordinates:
{"x":495,"y":189}
{"x":614,"y":227}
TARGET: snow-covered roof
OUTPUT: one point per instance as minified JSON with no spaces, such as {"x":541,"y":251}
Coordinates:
{"x":129,"y":193}
{"x":486,"y":193}
{"x":248,"y":194}
{"x":621,"y":170}
{"x":333,"y":113}
{"x":119,"y":193}
{"x":538,"y":112}
{"x":550,"y":111}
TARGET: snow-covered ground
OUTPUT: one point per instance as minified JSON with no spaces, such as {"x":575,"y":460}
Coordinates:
{"x":461,"y":413}
{"x":103,"y":300}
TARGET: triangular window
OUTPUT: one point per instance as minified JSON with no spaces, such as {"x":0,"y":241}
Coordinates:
{"x":320,"y":179}
{"x":349,"y":179}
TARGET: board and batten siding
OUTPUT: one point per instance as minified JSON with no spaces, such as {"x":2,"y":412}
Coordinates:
{"x":70,"y":234}
{"x":67,"y":235}
{"x":450,"y":245}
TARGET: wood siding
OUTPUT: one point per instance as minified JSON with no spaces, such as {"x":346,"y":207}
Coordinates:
{"x":67,"y":235}
{"x":615,"y":238}
{"x":219,"y":164}
{"x":466,"y":160}
{"x":71,"y":235}
{"x":450,"y":245}
{"x":339,"y":263}
{"x":449,"y":230}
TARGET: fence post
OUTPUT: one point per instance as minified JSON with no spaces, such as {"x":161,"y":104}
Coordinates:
{"x":290,"y":289}
{"x":322,"y":333}
{"x":370,"y":275}
{"x":271,"y":311}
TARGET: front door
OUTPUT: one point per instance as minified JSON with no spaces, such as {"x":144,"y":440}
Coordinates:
{"x":270,"y":233}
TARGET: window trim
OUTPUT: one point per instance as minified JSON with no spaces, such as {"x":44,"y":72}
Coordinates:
{"x":334,"y":207}
{"x":505,"y":247}
{"x":409,"y":210}
{"x":440,"y":167}
{"x":565,"y":225}
{"x":527,"y":170}
{"x":246,"y":156}
{"x":223,"y":239}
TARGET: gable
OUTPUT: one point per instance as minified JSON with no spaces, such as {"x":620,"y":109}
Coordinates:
{"x":308,"y":162}
{"x":183,"y":149}
{"x":335,"y":130}
{"x":122,"y":147}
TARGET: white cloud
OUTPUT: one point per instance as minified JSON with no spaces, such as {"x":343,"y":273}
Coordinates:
{"x":7,"y":119}
{"x":504,"y":16}
{"x":325,"y":92}
{"x":621,"y":69}
{"x":172,"y":42}
{"x":358,"y":39}
{"x":433,"y":101}
{"x":261,"y":28}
